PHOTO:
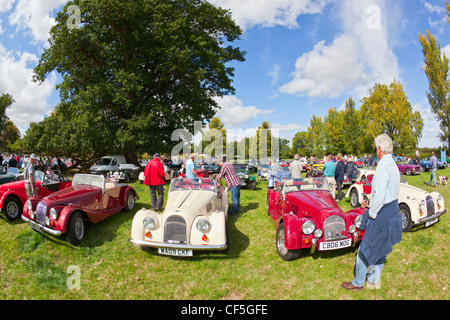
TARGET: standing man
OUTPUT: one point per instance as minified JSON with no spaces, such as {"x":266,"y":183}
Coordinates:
{"x":296,"y":168}
{"x":154,"y":178}
{"x":191,"y":173}
{"x":382,"y":221}
{"x":233,"y":183}
{"x":433,"y":166}
{"x":329,"y":171}
{"x":339,"y":175}
{"x":30,"y":177}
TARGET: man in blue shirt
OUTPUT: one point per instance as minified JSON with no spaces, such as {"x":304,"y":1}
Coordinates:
{"x":329,"y":170}
{"x":382,"y":222}
{"x":433,"y":166}
{"x":190,"y":168}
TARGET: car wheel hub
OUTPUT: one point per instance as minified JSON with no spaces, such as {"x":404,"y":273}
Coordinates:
{"x":12,"y":209}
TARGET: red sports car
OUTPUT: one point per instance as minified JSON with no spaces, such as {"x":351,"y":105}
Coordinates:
{"x":91,"y":198}
{"x":306,"y":216}
{"x":13,"y":195}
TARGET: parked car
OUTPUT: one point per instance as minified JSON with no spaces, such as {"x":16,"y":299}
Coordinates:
{"x":13,"y":195}
{"x":107,"y":164}
{"x":423,"y":163}
{"x":281,"y":174}
{"x":306,"y":216}
{"x":126,"y":172}
{"x":211,"y":167}
{"x":266,"y":170}
{"x":13,"y":174}
{"x":243,"y":173}
{"x":417,"y":206}
{"x":91,"y":198}
{"x":409,"y":169}
{"x":195,"y":218}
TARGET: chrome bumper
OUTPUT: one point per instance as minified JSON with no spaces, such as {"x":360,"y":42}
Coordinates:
{"x":177,"y":246}
{"x":425,"y":220}
{"x":41,"y":228}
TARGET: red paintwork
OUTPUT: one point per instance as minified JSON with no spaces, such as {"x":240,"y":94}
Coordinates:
{"x":315,"y":205}
{"x":17,"y":189}
{"x":90,"y":200}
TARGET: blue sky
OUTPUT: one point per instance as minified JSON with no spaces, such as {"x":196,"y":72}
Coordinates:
{"x":303,"y":57}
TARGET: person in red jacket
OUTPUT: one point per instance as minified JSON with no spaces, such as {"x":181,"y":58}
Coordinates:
{"x":154,"y":178}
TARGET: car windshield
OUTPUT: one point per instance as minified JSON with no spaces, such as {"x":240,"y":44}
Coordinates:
{"x":40,"y":176}
{"x":104,"y":162}
{"x":89,"y":179}
{"x":13,"y":171}
{"x":292,"y":185}
{"x":126,"y":166}
{"x":193,"y":184}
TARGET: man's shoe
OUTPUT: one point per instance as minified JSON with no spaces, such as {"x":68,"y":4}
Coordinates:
{"x":350,"y":286}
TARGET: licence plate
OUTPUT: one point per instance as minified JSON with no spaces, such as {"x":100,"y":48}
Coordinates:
{"x":175,"y":252}
{"x":333,"y":245}
{"x":36,"y":227}
{"x":429,"y":223}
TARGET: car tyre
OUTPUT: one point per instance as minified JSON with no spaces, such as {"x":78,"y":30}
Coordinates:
{"x":354,"y":198}
{"x":127,"y":178}
{"x":129,"y":205}
{"x":75,"y":228}
{"x":408,"y":172}
{"x":285,"y":254}
{"x":407,"y":223}
{"x":252,"y":185}
{"x":12,"y":208}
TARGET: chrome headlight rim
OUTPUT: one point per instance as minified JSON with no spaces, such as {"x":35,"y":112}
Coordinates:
{"x":422,"y":206}
{"x":358,"y":221}
{"x":318,"y":233}
{"x":203,"y":225}
{"x":149,"y":223}
{"x":308,"y":227}
{"x":352,"y":229}
{"x":29,"y":205}
{"x":53,"y":214}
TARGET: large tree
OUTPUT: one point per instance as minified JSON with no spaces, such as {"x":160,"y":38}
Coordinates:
{"x":145,"y":67}
{"x":436,"y":67}
{"x":6,"y":101}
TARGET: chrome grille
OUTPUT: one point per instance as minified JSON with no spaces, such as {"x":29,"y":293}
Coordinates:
{"x":430,"y":206}
{"x":333,"y":228}
{"x":41,"y":212}
{"x":175,"y":230}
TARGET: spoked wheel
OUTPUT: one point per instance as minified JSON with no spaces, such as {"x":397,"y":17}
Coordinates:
{"x":285,"y":254}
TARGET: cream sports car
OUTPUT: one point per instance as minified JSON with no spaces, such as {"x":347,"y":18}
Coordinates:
{"x":195,"y":218}
{"x":417,"y":206}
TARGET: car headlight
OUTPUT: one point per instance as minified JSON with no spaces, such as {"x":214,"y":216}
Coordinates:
{"x":358,"y":221}
{"x":29,"y":205}
{"x":203,"y":225}
{"x":422,"y":207}
{"x":352,"y":228}
{"x":53,"y":214}
{"x":439,"y":202}
{"x":149,"y":223}
{"x":318,"y":233}
{"x":308,"y":227}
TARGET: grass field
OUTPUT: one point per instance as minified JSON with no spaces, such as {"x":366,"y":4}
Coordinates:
{"x":36,"y":266}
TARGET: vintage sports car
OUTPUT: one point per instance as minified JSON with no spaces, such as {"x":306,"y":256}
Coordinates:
{"x":91,"y":198}
{"x":409,"y":169}
{"x":244,"y":176}
{"x":306,"y":216}
{"x":195,"y":218}
{"x":211,"y":167}
{"x":282,"y":174}
{"x":417,"y":206}
{"x":126,"y":172}
{"x":13,"y":174}
{"x":13,"y":195}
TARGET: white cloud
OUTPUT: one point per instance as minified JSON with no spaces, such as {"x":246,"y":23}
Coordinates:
{"x":6,"y":5}
{"x":31,"y":99}
{"x":269,"y":13}
{"x":35,"y":17}
{"x":233,"y":112}
{"x":431,"y":129}
{"x":357,"y":58}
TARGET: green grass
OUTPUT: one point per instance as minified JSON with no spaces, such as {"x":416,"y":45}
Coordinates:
{"x":35,"y":266}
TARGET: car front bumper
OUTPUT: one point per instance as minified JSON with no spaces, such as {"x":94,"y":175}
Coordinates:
{"x":41,"y":228}
{"x":425,"y":220}
{"x":177,"y":246}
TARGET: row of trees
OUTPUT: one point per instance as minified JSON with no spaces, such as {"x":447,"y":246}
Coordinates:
{"x":135,"y":71}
